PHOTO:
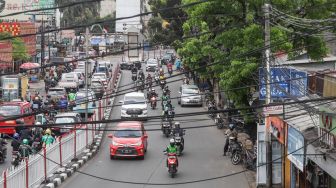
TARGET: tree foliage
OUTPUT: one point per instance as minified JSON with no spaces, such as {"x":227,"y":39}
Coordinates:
{"x":166,"y":26}
{"x":230,"y":34}
{"x":78,"y":14}
{"x":19,"y":49}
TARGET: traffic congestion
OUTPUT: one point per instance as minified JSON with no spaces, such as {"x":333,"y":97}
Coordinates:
{"x":61,"y":98}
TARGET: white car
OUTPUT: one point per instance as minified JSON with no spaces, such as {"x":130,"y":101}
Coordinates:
{"x":151,"y":65}
{"x":134,"y":106}
{"x":100,"y":76}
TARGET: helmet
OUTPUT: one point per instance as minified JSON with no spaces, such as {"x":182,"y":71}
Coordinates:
{"x":25,"y":141}
{"x":172,"y":142}
{"x":36,"y":98}
{"x":153,"y":90}
{"x":169,"y":101}
{"x":48,"y":131}
{"x":48,"y":96}
{"x":16,"y":135}
{"x":38,"y":123}
{"x":177,"y":124}
{"x":231,"y":126}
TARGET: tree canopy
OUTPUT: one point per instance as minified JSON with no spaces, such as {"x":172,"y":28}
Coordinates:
{"x":19,"y":49}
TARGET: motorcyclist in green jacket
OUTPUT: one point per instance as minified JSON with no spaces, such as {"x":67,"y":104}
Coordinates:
{"x":164,"y":100}
{"x":171,"y":149}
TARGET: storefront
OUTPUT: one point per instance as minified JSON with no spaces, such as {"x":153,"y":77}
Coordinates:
{"x":277,"y":129}
{"x":296,"y":156}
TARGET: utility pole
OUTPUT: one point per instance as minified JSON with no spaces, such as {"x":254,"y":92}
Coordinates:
{"x":42,"y":46}
{"x":86,"y":72}
{"x":268,"y":139}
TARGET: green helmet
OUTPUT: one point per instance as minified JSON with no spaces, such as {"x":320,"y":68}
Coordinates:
{"x":25,"y":141}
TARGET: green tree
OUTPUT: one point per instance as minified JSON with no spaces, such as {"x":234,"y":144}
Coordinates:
{"x":19,"y":49}
{"x":78,"y":14}
{"x":228,"y":32}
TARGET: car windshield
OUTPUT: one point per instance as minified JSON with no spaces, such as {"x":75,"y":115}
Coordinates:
{"x":96,"y":84}
{"x":134,"y":100}
{"x":99,"y":76}
{"x":10,"y":110}
{"x":190,"y":91}
{"x":55,"y":92}
{"x":101,"y":69}
{"x":127,"y":133}
{"x":65,"y":120}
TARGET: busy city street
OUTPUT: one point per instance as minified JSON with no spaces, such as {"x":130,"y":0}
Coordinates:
{"x":202,"y":157}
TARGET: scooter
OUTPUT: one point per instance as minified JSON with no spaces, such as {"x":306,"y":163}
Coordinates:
{"x":219,"y":121}
{"x":162,"y":83}
{"x":170,"y":71}
{"x":172,"y":164}
{"x":153,"y":102}
{"x":16,"y":158}
{"x":166,"y":128}
{"x":211,"y":109}
{"x":156,"y":78}
{"x":178,"y":143}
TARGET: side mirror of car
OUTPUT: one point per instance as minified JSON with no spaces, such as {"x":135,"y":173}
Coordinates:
{"x":110,"y":135}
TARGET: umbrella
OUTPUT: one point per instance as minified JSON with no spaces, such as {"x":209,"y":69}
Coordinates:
{"x":30,"y":65}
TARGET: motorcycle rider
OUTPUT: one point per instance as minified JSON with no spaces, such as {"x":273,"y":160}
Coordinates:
{"x":170,"y":67}
{"x":25,"y":133}
{"x":24,"y":148}
{"x":141,"y":75}
{"x":178,"y":131}
{"x":164,"y":98}
{"x":171,"y":149}
{"x":166,"y":90}
{"x":134,"y":71}
{"x":231,"y":134}
{"x":149,"y":80}
{"x":48,"y":139}
{"x":16,"y":142}
{"x":153,"y":93}
{"x":72,"y":97}
{"x":36,"y":103}
{"x":3,"y":147}
{"x":161,"y":73}
{"x":63,"y":103}
{"x":168,"y":107}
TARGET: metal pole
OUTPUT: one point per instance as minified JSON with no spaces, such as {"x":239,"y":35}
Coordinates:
{"x":268,"y":92}
{"x":42,"y":46}
{"x":86,"y":72}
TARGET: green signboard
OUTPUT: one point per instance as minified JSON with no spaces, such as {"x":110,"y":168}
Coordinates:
{"x":39,"y":4}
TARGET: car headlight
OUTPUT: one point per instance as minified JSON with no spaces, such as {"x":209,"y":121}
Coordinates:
{"x":137,"y":144}
{"x":143,"y":109}
{"x":116,"y":143}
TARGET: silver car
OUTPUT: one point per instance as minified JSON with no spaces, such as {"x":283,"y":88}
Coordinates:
{"x":190,"y":95}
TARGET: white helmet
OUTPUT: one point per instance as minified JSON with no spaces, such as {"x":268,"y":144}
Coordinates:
{"x":38,"y":123}
{"x":172,"y":141}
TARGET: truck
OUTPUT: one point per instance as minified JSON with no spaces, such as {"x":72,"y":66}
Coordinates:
{"x":14,"y":87}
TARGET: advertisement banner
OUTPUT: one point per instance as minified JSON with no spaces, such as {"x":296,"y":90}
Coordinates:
{"x":276,"y":127}
{"x":280,"y":77}
{"x":298,"y":83}
{"x":295,"y":148}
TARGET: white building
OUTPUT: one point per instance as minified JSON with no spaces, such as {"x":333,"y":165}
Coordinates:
{"x":128,"y":8}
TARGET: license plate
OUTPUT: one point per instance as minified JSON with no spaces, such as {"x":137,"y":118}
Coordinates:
{"x":193,"y":101}
{"x":134,"y":115}
{"x":127,"y":151}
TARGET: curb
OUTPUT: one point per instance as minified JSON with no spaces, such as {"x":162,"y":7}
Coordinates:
{"x":61,"y":174}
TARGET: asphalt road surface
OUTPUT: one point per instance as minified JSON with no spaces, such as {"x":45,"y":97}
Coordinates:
{"x":202,"y":156}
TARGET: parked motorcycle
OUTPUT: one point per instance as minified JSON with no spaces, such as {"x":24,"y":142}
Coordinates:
{"x":219,"y":121}
{"x":247,"y":156}
{"x":153,"y":102}
{"x":211,"y":108}
{"x":172,"y":164}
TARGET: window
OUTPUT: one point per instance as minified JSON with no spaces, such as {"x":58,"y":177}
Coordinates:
{"x":10,"y":110}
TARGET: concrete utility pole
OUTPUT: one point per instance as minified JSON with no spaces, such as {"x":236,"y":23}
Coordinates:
{"x":86,"y":72}
{"x":267,"y":8}
{"x":42,"y":46}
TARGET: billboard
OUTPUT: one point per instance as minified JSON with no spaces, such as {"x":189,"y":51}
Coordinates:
{"x":22,"y":28}
{"x":39,"y":4}
{"x":285,"y":82}
{"x":295,"y":147}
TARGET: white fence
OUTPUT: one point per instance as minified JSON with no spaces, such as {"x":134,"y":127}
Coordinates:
{"x":34,"y":170}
